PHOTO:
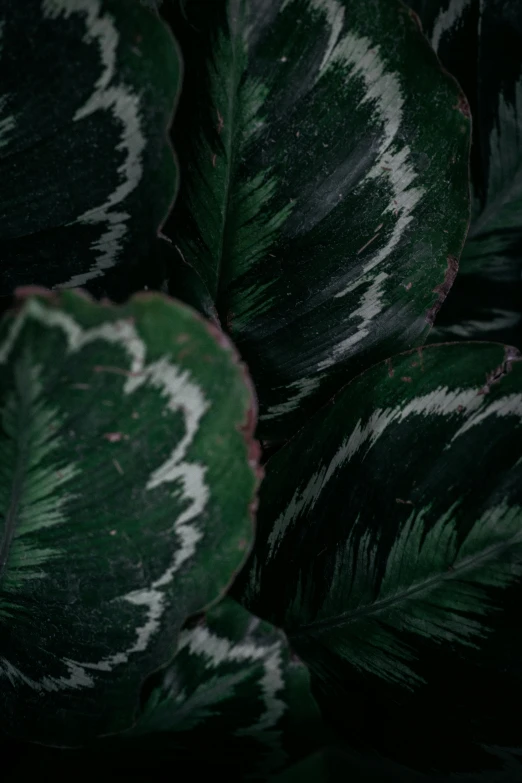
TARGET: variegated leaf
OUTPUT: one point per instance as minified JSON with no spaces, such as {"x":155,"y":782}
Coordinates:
{"x":389,"y":548}
{"x":88,"y":89}
{"x":324,"y":196}
{"x":127,"y":474}
{"x":234,"y":687}
{"x":486,"y":301}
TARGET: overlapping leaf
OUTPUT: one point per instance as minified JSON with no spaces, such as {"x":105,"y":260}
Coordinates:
{"x":389,"y":548}
{"x":88,"y":89}
{"x":340,"y":763}
{"x":324,"y":196}
{"x":486,"y":301}
{"x":127,"y":474}
{"x":233,"y":689}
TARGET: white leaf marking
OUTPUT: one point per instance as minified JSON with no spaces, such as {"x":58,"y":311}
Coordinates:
{"x":6,"y":123}
{"x":440,"y":402}
{"x":182,"y":395}
{"x":448,"y":19}
{"x":383,"y":90}
{"x":125,"y":108}
{"x":334,"y":13}
{"x":369,"y":308}
{"x":303,"y":389}
{"x":217,"y":650}
{"x":510,"y":405}
{"x":502,"y":319}
{"x":504,"y":195}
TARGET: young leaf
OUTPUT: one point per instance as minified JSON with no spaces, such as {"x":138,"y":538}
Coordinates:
{"x":88,"y":89}
{"x":324,"y":196}
{"x":486,"y":302}
{"x":127,"y":475}
{"x":232,"y":685}
{"x":389,"y":544}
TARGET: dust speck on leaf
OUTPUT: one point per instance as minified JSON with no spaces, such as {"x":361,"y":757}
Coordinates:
{"x":113,"y":437}
{"x":118,"y":466}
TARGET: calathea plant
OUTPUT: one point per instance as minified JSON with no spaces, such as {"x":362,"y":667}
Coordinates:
{"x":292,"y":177}
{"x":486,"y":300}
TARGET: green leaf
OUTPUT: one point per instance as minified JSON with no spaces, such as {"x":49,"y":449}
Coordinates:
{"x":125,"y":448}
{"x":189,"y":284}
{"x":324,"y":195}
{"x":486,"y":302}
{"x":88,"y":175}
{"x":389,"y":548}
{"x":233,"y":685}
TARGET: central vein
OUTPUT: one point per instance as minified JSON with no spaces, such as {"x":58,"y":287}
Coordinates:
{"x":21,"y":436}
{"x":226,"y":124}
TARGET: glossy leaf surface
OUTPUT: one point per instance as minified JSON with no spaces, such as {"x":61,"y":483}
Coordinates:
{"x":389,"y":548}
{"x":127,"y":476}
{"x":469,"y":35}
{"x":88,"y":90}
{"x":324,"y":196}
{"x":232,"y":687}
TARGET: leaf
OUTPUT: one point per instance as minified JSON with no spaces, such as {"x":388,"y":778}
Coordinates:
{"x":313,"y":769}
{"x":486,"y":306}
{"x":389,"y":548}
{"x":232,"y":686}
{"x":323,"y":194}
{"x":189,"y":285}
{"x":468,"y":34}
{"x":340,"y":763}
{"x":126,"y":443}
{"x":88,"y":91}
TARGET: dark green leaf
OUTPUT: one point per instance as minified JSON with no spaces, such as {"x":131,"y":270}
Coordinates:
{"x":185,"y":281}
{"x":324,"y":195}
{"x":486,"y":302}
{"x":389,"y":548}
{"x":334,"y":764}
{"x":233,"y":686}
{"x":88,"y":89}
{"x":127,"y":473}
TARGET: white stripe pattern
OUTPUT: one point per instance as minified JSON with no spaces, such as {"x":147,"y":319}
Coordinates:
{"x":362,"y":60}
{"x":182,"y":394}
{"x":440,"y":402}
{"x":124,"y":105}
{"x":217,"y":650}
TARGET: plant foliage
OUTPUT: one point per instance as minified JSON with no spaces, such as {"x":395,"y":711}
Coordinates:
{"x":266,"y":203}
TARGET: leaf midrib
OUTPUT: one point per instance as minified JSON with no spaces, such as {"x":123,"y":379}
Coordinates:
{"x":234,"y":21}
{"x":467,"y":564}
{"x":22,"y":448}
